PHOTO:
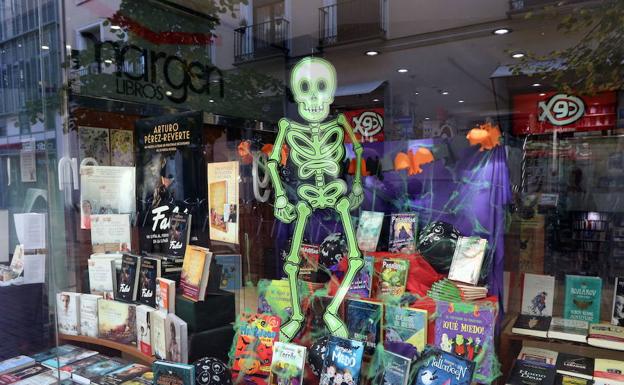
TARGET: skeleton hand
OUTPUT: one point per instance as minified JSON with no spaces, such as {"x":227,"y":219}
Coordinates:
{"x":283,"y":209}
{"x":356,"y":196}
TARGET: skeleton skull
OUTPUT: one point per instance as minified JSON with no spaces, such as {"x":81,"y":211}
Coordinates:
{"x":313,"y":83}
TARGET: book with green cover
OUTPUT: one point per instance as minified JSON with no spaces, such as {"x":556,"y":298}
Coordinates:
{"x":288,"y":364}
{"x":393,"y":277}
{"x":582,"y":298}
{"x":274,"y":298}
{"x":407,"y":325}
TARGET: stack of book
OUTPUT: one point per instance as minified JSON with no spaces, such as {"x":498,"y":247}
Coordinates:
{"x":606,"y":336}
{"x":448,"y":290}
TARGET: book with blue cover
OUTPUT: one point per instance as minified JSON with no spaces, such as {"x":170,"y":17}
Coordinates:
{"x":406,"y":325}
{"x":363,"y":320}
{"x":582,"y":298}
{"x":362,"y":284}
{"x":442,"y":368}
{"x":172,"y":373}
{"x":368,"y":230}
{"x":396,"y":370}
{"x":231,"y":271}
{"x":343,"y":362}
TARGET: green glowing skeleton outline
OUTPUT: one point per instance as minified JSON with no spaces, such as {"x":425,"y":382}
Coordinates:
{"x":317,"y":150}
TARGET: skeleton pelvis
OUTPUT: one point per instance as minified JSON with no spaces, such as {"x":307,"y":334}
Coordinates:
{"x":321,"y":197}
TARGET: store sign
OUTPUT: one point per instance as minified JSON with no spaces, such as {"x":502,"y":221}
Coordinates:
{"x":544,"y":113}
{"x":368,"y":124}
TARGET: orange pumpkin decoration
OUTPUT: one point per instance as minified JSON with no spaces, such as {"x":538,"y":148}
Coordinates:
{"x":412,"y":161}
{"x":486,"y":135}
{"x":268,"y":149}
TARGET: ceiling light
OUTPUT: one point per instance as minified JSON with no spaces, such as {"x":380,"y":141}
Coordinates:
{"x":115,"y":27}
{"x":108,"y":61}
{"x":517,"y":55}
{"x":211,"y":101}
{"x":375,"y":100}
{"x":416,"y":93}
{"x":460,"y":101}
{"x":402,"y":70}
{"x":535,"y":85}
{"x":260,"y":92}
{"x":45,"y":47}
{"x":444,"y":92}
{"x":427,"y":118}
{"x":542,"y":94}
{"x":372,"y":53}
{"x":501,"y":31}
{"x":168,"y":93}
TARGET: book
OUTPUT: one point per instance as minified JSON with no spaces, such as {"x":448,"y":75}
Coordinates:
{"x":393,"y":276}
{"x":110,"y":233}
{"x":176,"y":337}
{"x":368,"y":230}
{"x":89,"y":315}
{"x":343,"y":361}
{"x":403,"y":232}
{"x":287,"y":364}
{"x":72,"y":367}
{"x":231,"y":271}
{"x":158,"y":334}
{"x":148,"y":273}
{"x":617,"y":310}
{"x":309,"y":255}
{"x":143,"y":329}
{"x":467,"y":260}
{"x":362,"y":284}
{"x":179,"y":233}
{"x":102,"y":277}
{"x":117,"y":321}
{"x":443,"y":368}
{"x":16,"y":363}
{"x":128,"y":278}
{"x":121,"y":147}
{"x":538,"y":356}
{"x":395,"y":370}
{"x":93,"y":142}
{"x":69,"y":357}
{"x":68,"y":313}
{"x":532,"y":325}
{"x":53,"y":352}
{"x":274,"y":298}
{"x":608,"y":372}
{"x":573,"y":365}
{"x":531,"y":373}
{"x":568,"y":329}
{"x":46,"y":378}
{"x":564,"y":379}
{"x":606,"y":336}
{"x":223,"y":200}
{"x":173,"y":373}
{"x":119,"y":376}
{"x":99,"y":367}
{"x":364,"y":319}
{"x":582,"y":298}
{"x":255,"y":338}
{"x":165,"y":294}
{"x":22,"y":373}
{"x":195,"y":272}
{"x":538,"y":294}
{"x":402,"y":324}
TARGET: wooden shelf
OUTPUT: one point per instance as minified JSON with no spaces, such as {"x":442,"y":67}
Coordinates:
{"x":129,"y":351}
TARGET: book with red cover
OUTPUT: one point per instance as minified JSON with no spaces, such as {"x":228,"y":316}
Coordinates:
{"x":254,"y":344}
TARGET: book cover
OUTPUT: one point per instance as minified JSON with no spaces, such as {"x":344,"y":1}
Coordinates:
{"x":16,"y":363}
{"x":403,"y":232}
{"x":396,"y":370}
{"x":530,"y":373}
{"x":467,"y":260}
{"x":343,"y":361}
{"x":582,"y":298}
{"x":72,"y":367}
{"x":100,"y":367}
{"x":47,"y":378}
{"x":255,"y":340}
{"x":68,"y":313}
{"x":393,"y":276}
{"x":144,"y":330}
{"x":179,"y":233}
{"x":568,"y":329}
{"x":467,"y":330}
{"x":538,"y":294}
{"x":231,"y":271}
{"x":102,"y":277}
{"x":606,"y":336}
{"x":195,"y":270}
{"x":617,"y":311}
{"x":119,"y":376}
{"x":122,"y":147}
{"x":170,"y":177}
{"x":89,"y":314}
{"x":106,"y":190}
{"x":158,"y":334}
{"x":165,"y":295}
{"x":50,"y":353}
{"x":309,"y":255}
{"x":110,"y":233}
{"x":93,"y":142}
{"x":69,"y":357}
{"x":402,"y":324}
{"x":274,"y":298}
{"x":368,"y":230}
{"x":564,"y":379}
{"x":608,"y":371}
{"x":532,"y":325}
{"x":172,"y":373}
{"x":363,"y":319}
{"x":117,"y":321}
{"x":223,"y":201}
{"x":287,"y":364}
{"x":21,"y":374}
{"x":443,"y":368}
{"x":362,"y":284}
{"x":149,"y":272}
{"x":574,"y":365}
{"x":538,"y":355}
{"x":128,"y":278}
{"x":176,"y":337}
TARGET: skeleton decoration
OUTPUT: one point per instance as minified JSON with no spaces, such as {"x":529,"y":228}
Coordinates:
{"x":317,"y":149}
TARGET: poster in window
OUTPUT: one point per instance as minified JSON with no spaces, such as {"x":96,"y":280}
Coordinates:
{"x":223,"y":201}
{"x":105,"y":190}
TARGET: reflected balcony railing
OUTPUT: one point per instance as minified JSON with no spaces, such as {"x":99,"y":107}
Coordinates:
{"x":352,"y":20}
{"x":261,"y":40}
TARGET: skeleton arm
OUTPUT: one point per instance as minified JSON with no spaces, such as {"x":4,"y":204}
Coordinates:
{"x":284,"y":210}
{"x":357,"y":193}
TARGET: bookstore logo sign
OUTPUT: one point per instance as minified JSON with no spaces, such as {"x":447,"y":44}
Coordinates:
{"x":561,"y":109}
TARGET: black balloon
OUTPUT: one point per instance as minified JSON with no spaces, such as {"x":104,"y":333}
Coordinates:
{"x":316,"y":355}
{"x":212,"y":371}
{"x":437,"y":244}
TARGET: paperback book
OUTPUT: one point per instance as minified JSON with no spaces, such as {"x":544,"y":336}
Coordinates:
{"x":21,"y":374}
{"x":532,"y":325}
{"x":606,"y":336}
{"x":69,"y":357}
{"x":274,"y":298}
{"x":121,"y":375}
{"x":89,"y":315}
{"x":47,"y":354}
{"x":530,"y":373}
{"x":117,"y":321}
{"x":617,"y":312}
{"x":100,"y":367}
{"x":195,"y":272}
{"x":608,"y":372}
{"x":362,"y":284}
{"x":368,"y":230}
{"x":68,"y":313}
{"x":255,"y":340}
{"x":564,"y":379}
{"x":467,"y":260}
{"x":538,"y":294}
{"x":144,"y":332}
{"x":165,"y":295}
{"x":179,"y":233}
{"x":364,"y":319}
{"x":128,"y":278}
{"x":102,"y":277}
{"x":148,"y":274}
{"x":577,"y":366}
{"x":402,"y":324}
{"x":443,"y":368}
{"x":343,"y":362}
{"x":231,"y":271}
{"x":403,"y":231}
{"x":16,"y":363}
{"x":158,"y":334}
{"x":110,"y":233}
{"x":396,"y":370}
{"x":176,"y":336}
{"x":582,"y":298}
{"x":568,"y":329}
{"x":173,"y":373}
{"x":288,"y":364}
{"x":393,"y":277}
{"x":223,"y":197}
{"x":538,"y":356}
{"x":309,"y":255}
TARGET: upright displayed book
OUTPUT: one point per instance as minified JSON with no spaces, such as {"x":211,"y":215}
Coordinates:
{"x":274,"y":298}
{"x":440,"y":367}
{"x":532,"y":325}
{"x":176,"y":336}
{"x":170,"y":177}
{"x":606,"y":336}
{"x":608,"y":372}
{"x":143,"y":326}
{"x":573,"y":365}
{"x":255,"y":338}
{"x":395,"y":370}
{"x":393,"y":277}
{"x":149,"y":272}
{"x":158,"y":334}
{"x":231,"y":271}
{"x":102,"y":277}
{"x":617,"y":310}
{"x":362,"y":284}
{"x":368,"y":230}
{"x":68,"y":313}
{"x":568,"y":329}
{"x":173,"y":373}
{"x":128,"y":278}
{"x":538,"y":294}
{"x":110,"y":233}
{"x":195,"y":272}
{"x":223,"y":201}
{"x":179,"y":233}
{"x":287,"y":364}
{"x":402,"y":324}
{"x":582,"y":298}
{"x":343,"y":361}
{"x":89,"y":314}
{"x":364,"y":319}
{"x":117,"y":321}
{"x":165,"y":295}
{"x":309,"y":255}
{"x":403,"y":231}
{"x":467,"y":260}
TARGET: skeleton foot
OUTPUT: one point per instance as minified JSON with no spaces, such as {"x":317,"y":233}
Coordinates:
{"x":290,"y":329}
{"x":335,"y":325}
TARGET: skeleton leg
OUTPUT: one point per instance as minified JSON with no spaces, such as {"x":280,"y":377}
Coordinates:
{"x":334,"y":323}
{"x":290,"y":329}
